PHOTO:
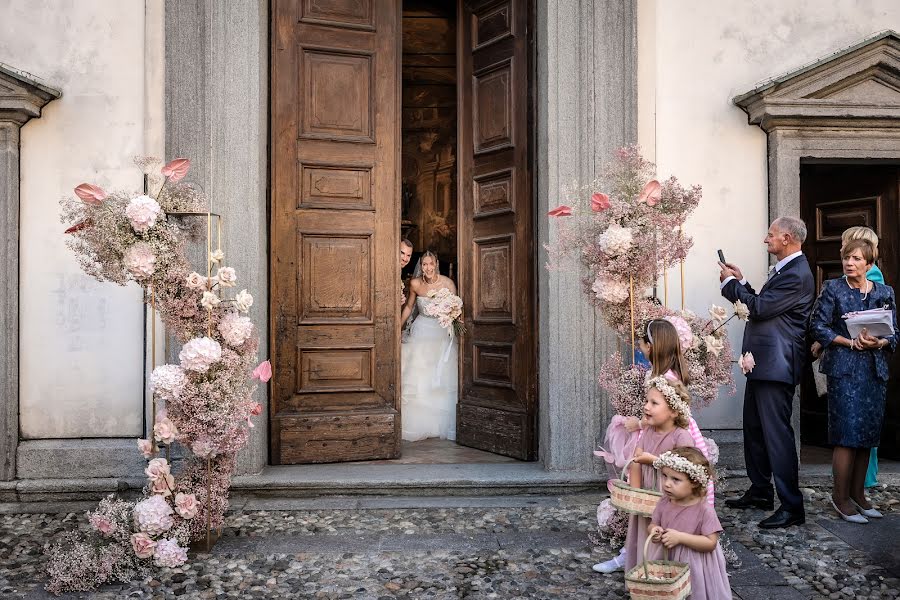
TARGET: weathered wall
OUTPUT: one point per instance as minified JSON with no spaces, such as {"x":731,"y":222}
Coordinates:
{"x":586,"y":107}
{"x":217,"y":114}
{"x":80,"y":341}
{"x":694,"y":57}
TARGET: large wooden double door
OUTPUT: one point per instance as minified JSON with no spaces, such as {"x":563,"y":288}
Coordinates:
{"x":335,"y":200}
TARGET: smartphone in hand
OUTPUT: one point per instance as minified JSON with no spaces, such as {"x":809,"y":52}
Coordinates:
{"x":721,"y":257}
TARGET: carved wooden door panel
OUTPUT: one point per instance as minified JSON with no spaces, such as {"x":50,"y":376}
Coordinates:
{"x":334,"y":230}
{"x":833,"y":198}
{"x":498,"y":381}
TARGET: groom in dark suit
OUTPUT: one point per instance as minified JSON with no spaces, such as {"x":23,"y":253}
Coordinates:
{"x":776,"y":335}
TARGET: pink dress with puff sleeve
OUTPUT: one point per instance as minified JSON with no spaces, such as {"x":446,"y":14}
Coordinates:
{"x":655,"y":443}
{"x":709,"y":580}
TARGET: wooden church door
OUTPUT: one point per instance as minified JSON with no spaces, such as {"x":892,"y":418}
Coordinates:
{"x":335,"y":194}
{"x":334,"y":234}
{"x":498,"y":391}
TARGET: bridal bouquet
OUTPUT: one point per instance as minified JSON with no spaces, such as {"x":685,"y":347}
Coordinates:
{"x":447,"y":309}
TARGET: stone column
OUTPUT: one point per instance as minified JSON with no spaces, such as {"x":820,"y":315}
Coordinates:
{"x":586,"y":107}
{"x":21,"y":99}
{"x":217,"y":115}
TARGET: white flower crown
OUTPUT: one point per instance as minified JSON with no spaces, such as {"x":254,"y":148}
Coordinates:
{"x":671,"y":395}
{"x":679,"y":463}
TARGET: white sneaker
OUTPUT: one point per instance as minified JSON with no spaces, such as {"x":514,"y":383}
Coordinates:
{"x":617,"y":563}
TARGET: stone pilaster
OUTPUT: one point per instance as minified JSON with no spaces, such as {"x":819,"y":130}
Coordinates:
{"x":21,"y":99}
{"x":217,"y":115}
{"x":586,"y":107}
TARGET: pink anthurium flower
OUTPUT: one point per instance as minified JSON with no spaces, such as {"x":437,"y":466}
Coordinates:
{"x":561,"y":211}
{"x":651,"y":193}
{"x":599,"y":202}
{"x":176,"y":168}
{"x":263,"y":372}
{"x":90,"y":194}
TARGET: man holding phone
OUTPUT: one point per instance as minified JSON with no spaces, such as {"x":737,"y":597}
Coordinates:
{"x":776,"y":335}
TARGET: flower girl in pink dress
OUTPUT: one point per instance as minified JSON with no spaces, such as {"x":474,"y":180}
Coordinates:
{"x":663,"y":342}
{"x":688,"y":526}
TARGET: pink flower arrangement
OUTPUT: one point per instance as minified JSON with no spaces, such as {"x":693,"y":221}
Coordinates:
{"x":446,"y":307}
{"x":208,"y":396}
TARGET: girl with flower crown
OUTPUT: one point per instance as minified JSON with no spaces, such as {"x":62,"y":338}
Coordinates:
{"x":688,"y":526}
{"x":666,"y":414}
{"x":663,"y":342}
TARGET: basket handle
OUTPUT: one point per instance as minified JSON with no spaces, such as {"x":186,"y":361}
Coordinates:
{"x":653,"y":486}
{"x":646,"y":548}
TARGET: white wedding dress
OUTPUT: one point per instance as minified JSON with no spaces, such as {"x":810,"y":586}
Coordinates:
{"x":428,"y":376}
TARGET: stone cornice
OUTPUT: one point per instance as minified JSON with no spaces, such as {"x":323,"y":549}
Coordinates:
{"x":22,"y":96}
{"x":857,"y":87}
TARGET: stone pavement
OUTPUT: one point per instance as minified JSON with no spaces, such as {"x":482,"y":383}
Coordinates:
{"x":462,"y":547}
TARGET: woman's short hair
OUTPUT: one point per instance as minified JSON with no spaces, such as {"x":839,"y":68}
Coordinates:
{"x":859,"y":233}
{"x":865,"y":247}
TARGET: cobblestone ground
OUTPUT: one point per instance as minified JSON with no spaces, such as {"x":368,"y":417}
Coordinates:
{"x":493,"y":548}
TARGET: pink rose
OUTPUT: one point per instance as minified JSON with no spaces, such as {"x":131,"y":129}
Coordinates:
{"x":186,"y":505}
{"x":103,"y":524}
{"x":651,"y":193}
{"x":257,"y":410}
{"x":164,"y":431}
{"x":746,"y":362}
{"x":157,"y":469}
{"x":142,"y":544}
{"x":561,"y":211}
{"x":146,"y":447}
{"x":163,"y":486}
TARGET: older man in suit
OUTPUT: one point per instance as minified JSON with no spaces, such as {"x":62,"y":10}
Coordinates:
{"x":776,"y":335}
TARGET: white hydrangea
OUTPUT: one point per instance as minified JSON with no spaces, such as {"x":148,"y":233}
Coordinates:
{"x":610,"y":290}
{"x":199,"y":353}
{"x":153,"y":515}
{"x":169,"y":554}
{"x":616,"y":240}
{"x":142,"y":211}
{"x":168,"y":381}
{"x":235,"y":329}
{"x":140,"y":260}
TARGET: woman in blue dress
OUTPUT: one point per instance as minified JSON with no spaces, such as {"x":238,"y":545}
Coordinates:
{"x":857,"y":370}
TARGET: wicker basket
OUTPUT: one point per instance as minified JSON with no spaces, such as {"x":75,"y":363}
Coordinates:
{"x":659,"y":579}
{"x":636,"y":501}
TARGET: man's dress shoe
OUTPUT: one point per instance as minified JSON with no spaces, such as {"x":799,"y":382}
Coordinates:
{"x":750,"y":501}
{"x":783,"y":518}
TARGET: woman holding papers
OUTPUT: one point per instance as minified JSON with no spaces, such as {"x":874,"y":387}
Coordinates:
{"x":857,"y":369}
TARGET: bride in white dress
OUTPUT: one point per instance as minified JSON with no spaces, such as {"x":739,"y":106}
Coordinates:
{"x":428,"y":361}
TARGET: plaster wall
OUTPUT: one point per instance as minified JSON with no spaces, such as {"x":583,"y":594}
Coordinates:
{"x":694,"y":57}
{"x":81,"y":347}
